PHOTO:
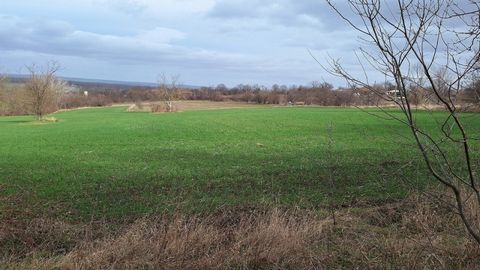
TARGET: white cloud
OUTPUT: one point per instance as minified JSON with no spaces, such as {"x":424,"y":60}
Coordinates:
{"x":231,"y":41}
{"x":160,"y":35}
{"x":165,"y":8}
{"x":60,"y":38}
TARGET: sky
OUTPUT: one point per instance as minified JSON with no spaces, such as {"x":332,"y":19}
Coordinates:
{"x":206,"y":42}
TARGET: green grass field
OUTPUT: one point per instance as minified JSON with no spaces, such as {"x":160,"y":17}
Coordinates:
{"x":112,"y":163}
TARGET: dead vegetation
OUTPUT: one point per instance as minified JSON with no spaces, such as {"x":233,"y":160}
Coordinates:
{"x":413,"y":234}
{"x":187,"y":105}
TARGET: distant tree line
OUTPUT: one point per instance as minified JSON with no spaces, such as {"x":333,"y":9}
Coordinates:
{"x":16,"y":98}
{"x":321,"y":94}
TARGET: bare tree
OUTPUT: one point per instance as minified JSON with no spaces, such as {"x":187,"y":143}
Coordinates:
{"x":2,"y":94}
{"x":3,"y":80}
{"x":168,"y":90}
{"x":471,"y":94}
{"x":432,"y":45}
{"x":44,"y":89}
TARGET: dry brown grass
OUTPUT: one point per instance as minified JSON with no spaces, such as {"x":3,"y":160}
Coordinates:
{"x":413,"y":234}
{"x":191,"y":105}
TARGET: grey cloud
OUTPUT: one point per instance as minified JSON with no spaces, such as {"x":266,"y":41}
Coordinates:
{"x":234,"y":40}
{"x":153,"y":46}
{"x":290,"y":13}
{"x":52,"y":28}
{"x":238,"y":9}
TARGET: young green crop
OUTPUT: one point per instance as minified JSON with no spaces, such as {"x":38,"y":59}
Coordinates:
{"x":109,"y":162}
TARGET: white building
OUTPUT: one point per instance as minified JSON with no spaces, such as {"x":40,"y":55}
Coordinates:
{"x":395,"y":93}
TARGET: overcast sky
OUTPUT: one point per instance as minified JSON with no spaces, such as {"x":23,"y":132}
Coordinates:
{"x":207,"y":42}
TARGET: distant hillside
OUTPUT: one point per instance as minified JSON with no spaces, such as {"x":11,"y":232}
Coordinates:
{"x":93,"y":84}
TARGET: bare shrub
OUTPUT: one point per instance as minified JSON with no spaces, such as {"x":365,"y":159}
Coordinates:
{"x":161,"y":107}
{"x":139,"y":105}
{"x":413,"y":44}
{"x":12,"y":100}
{"x":168,"y":91}
{"x":43,"y":89}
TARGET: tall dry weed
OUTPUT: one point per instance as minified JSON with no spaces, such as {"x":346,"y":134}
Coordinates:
{"x":413,"y":234}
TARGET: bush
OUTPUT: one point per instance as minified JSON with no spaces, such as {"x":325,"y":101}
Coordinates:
{"x":162,"y":107}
